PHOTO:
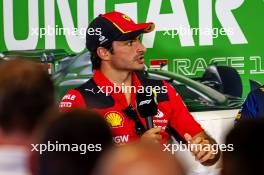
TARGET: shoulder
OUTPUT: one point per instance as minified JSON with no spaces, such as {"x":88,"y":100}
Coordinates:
{"x":256,"y":95}
{"x":72,"y":99}
{"x":258,"y":91}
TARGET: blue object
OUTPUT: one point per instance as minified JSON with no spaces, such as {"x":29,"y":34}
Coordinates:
{"x":253,"y":106}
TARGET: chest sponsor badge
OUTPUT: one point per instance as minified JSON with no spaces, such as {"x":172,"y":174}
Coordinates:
{"x":114,"y":119}
{"x":160,"y":114}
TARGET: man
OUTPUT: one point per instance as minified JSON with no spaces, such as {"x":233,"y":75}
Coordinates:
{"x":26,"y":98}
{"x":117,"y":54}
{"x":253,"y":106}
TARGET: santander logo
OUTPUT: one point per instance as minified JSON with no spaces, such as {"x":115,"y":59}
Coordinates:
{"x":160,"y":114}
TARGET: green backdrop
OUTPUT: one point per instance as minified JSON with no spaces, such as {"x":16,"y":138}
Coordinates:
{"x":190,"y":34}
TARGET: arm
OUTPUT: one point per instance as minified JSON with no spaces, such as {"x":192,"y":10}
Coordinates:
{"x":184,"y":123}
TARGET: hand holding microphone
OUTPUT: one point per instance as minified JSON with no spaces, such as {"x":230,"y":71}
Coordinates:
{"x":147,"y":108}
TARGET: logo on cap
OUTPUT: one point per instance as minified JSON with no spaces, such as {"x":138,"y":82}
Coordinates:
{"x":126,"y":17}
{"x":102,"y":39}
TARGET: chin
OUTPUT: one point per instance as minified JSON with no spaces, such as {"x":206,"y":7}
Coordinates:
{"x":139,"y":68}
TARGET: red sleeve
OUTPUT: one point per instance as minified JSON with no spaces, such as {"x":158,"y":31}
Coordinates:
{"x":73,"y":99}
{"x":181,"y":119}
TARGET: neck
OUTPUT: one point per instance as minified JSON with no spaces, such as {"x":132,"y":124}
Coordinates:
{"x":117,"y":76}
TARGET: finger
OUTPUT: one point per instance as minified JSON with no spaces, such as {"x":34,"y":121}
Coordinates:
{"x":200,"y":154}
{"x":154,"y":130}
{"x":205,"y":141}
{"x":158,"y":137}
{"x":188,"y":137}
{"x":197,"y":145}
{"x":208,"y":156}
{"x":197,"y":140}
{"x":195,"y":148}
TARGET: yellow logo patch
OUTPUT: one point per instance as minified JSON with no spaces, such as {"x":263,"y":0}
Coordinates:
{"x":114,"y":119}
{"x":262,"y":89}
{"x":126,"y":18}
{"x":149,"y":28}
{"x":238,"y":116}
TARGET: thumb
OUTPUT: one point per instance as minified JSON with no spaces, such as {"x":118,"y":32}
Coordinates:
{"x":187,"y":137}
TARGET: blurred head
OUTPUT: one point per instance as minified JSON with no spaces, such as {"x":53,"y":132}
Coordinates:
{"x":113,"y":38}
{"x":79,"y":138}
{"x":26,"y":95}
{"x":248,"y":155}
{"x":139,"y":159}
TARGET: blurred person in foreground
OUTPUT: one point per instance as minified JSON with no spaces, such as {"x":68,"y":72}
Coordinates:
{"x":117,"y":58}
{"x":76,"y":140}
{"x":139,"y":159}
{"x":26,"y":99}
{"x":247,"y":157}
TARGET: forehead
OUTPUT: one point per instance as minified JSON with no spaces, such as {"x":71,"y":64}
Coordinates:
{"x":125,"y":41}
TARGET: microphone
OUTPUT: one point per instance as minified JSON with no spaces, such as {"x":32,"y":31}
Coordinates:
{"x":147,"y":107}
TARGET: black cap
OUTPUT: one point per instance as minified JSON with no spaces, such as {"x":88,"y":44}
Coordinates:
{"x":113,"y":26}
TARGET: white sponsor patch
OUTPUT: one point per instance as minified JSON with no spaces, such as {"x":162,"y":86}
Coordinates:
{"x":160,"y":114}
{"x":121,"y":139}
{"x":144,"y":102}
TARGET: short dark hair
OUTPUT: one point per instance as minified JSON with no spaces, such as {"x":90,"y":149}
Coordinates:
{"x":26,"y":94}
{"x":75,"y":127}
{"x":247,"y":156}
{"x":96,"y":60}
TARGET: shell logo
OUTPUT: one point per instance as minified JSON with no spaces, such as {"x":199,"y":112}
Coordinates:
{"x":114,"y":119}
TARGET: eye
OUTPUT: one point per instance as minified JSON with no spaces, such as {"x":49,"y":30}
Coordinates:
{"x":139,"y":38}
{"x":130,"y":43}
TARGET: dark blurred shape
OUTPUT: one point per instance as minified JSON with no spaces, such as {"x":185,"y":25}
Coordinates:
{"x":26,"y":92}
{"x":26,"y":101}
{"x":78,"y":127}
{"x":254,"y":85}
{"x":131,"y":113}
{"x":224,"y":79}
{"x":247,"y":158}
{"x":139,"y":159}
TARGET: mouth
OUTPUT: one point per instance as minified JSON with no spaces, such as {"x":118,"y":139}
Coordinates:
{"x":140,"y":59}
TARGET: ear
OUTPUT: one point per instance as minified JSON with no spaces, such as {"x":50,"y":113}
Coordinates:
{"x":103,"y":53}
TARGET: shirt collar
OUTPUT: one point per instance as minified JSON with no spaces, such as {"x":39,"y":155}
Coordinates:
{"x":103,"y":82}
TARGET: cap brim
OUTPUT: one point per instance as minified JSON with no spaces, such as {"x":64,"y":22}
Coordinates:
{"x":130,"y":35}
{"x":137,"y":30}
{"x":146,"y":27}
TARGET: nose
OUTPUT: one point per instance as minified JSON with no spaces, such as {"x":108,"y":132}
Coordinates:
{"x":141,"y":47}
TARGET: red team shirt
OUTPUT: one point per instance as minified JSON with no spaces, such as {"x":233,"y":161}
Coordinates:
{"x":172,"y":111}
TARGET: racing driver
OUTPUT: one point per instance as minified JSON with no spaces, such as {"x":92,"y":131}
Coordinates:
{"x":117,"y":54}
